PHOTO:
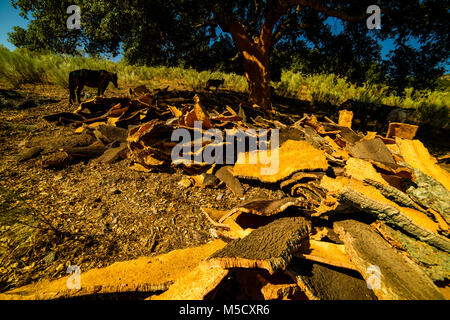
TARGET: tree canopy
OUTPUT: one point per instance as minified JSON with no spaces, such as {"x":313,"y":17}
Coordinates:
{"x":254,"y":37}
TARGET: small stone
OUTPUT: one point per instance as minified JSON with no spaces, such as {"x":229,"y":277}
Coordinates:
{"x":49,"y":258}
{"x":219,"y":196}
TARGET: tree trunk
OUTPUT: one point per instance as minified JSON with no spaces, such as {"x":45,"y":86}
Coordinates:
{"x":255,"y":54}
{"x":257,"y":73}
{"x":254,"y":51}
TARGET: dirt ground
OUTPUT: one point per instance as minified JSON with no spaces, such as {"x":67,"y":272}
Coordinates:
{"x":89,"y":214}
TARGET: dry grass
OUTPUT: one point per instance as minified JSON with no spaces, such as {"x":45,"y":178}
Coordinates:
{"x":22,"y":67}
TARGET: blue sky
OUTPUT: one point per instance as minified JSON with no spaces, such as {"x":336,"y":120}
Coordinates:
{"x":9,"y":17}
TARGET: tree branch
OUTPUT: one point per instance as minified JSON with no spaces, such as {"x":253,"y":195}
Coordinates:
{"x":230,"y":24}
{"x":323,"y":8}
{"x":291,"y":23}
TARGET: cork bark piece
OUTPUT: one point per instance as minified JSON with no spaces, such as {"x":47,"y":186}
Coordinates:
{"x":322,"y":282}
{"x":345,"y":118}
{"x":195,"y":285}
{"x":417,"y":156}
{"x":338,"y":152}
{"x":227,"y":228}
{"x":269,"y":247}
{"x":402,"y":130}
{"x":430,"y":193}
{"x":301,"y":177}
{"x":292,"y":156}
{"x":148,"y":134}
{"x":395,"y":217}
{"x":362,"y":169}
{"x":435,"y":263}
{"x":347,"y":134}
{"x":369,"y":199}
{"x":198,"y":114}
{"x":259,"y":285}
{"x":266,"y":207}
{"x":374,"y":150}
{"x":394,"y":195}
{"x":146,"y":274}
{"x":325,"y":252}
{"x":225,"y":174}
{"x":398,"y":278}
{"x":99,"y":104}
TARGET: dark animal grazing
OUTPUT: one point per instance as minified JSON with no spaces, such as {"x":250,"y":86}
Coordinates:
{"x":214,"y":83}
{"x":89,"y":78}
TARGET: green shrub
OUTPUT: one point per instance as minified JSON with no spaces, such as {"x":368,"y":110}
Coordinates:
{"x":22,"y":66}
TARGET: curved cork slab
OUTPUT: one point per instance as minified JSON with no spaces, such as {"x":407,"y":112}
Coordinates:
{"x":269,"y":247}
{"x":326,"y":253}
{"x":369,"y":199}
{"x":195,"y":285}
{"x":145,"y":274}
{"x":402,"y":130}
{"x":361,"y":169}
{"x":292,"y":156}
{"x":322,"y":282}
{"x":417,"y":156}
{"x":374,"y":150}
{"x":257,"y":284}
{"x":266,"y":207}
{"x":227,"y":229}
{"x":435,"y":263}
{"x":400,"y":278}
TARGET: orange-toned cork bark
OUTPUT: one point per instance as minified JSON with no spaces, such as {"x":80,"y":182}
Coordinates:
{"x":402,"y":130}
{"x":417,"y":156}
{"x":345,"y":118}
{"x":194,"y":285}
{"x":362,"y":169}
{"x":146,"y":274}
{"x":269,"y":247}
{"x":325,"y":252}
{"x":391,"y":275}
{"x":291,"y":157}
{"x":339,"y":185}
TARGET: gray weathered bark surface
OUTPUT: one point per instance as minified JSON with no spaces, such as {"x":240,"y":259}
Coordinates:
{"x":225,"y":175}
{"x":269,"y":247}
{"x":393,"y":216}
{"x":430,"y":193}
{"x":399,"y":277}
{"x":323,"y":282}
{"x":435,"y":263}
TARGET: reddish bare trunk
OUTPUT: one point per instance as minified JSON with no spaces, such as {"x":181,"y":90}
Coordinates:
{"x":257,"y":74}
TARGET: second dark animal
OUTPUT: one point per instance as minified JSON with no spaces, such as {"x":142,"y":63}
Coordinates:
{"x":90,"y":78}
{"x":214,"y":83}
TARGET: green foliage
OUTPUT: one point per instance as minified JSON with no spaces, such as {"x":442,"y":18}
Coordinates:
{"x":430,"y":107}
{"x":22,"y":66}
{"x":185,"y":32}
